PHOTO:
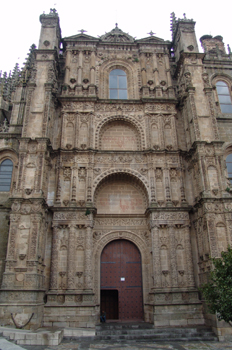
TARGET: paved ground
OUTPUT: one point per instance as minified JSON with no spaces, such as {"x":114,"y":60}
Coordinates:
{"x":130,"y":345}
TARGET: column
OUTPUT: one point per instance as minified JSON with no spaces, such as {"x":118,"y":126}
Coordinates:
{"x":34,"y":236}
{"x":155,"y":69}
{"x":89,"y":189}
{"x":174,"y":277}
{"x":182,"y":187}
{"x":209,"y":95}
{"x":92,"y":69}
{"x":204,"y":177}
{"x":54,"y":261}
{"x":144,"y":77}
{"x":167,"y":190}
{"x":67,"y":68}
{"x":167,"y":66}
{"x":156,"y":255}
{"x":143,"y":70}
{"x":71,"y":258}
{"x":189,"y":258}
{"x":20,"y":171}
{"x":212,"y":236}
{"x":58,"y":189}
{"x":174,"y":129}
{"x":74,"y":189}
{"x":193,"y":110}
{"x":153,"y":199}
{"x":88,"y":256}
{"x":80,"y":68}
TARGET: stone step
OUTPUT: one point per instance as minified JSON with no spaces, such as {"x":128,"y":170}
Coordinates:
{"x":156,"y":334}
{"x":145,"y":331}
{"x":111,"y":325}
{"x":154,"y":330}
{"x":145,"y":338}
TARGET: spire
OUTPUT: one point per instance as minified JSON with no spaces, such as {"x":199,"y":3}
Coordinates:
{"x":9,"y":82}
{"x":15,"y":77}
{"x":28,"y":65}
{"x":30,"y":58}
{"x":4,"y":83}
{"x":173,"y":23}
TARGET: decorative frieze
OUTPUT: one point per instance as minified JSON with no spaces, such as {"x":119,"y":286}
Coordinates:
{"x":64,"y":216}
{"x":120,"y":222}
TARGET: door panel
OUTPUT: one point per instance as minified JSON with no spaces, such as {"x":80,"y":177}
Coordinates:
{"x":121,"y":271}
{"x":109,"y":303}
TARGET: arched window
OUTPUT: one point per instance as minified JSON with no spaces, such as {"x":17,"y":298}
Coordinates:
{"x":6,"y":169}
{"x":118,"y":84}
{"x":224,"y":97}
{"x":229,"y":166}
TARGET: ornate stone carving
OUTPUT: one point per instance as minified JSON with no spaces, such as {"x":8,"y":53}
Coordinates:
{"x":82,"y":173}
{"x":159,"y":174}
{"x":118,"y":107}
{"x":120,"y":222}
{"x":67,"y":174}
{"x":63,"y":216}
{"x":61,"y":168}
{"x":78,"y":106}
{"x":165,"y":272}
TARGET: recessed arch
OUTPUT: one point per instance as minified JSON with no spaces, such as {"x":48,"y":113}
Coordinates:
{"x":6,"y":170}
{"x":229,"y":166}
{"x":119,"y":135}
{"x":227,"y":147}
{"x":8,"y":159}
{"x":9,"y":153}
{"x":120,"y":193}
{"x":142,"y":247}
{"x":121,"y":272}
{"x":223,"y":96}
{"x":118,"y":84}
{"x":228,"y":162}
{"x":220,"y":76}
{"x":127,"y":175}
{"x":124,"y":119}
{"x":131,"y":73}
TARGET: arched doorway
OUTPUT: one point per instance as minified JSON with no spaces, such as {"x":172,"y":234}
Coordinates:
{"x":121,"y":281}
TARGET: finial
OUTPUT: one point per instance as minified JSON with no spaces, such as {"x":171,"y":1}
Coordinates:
{"x":53,"y":11}
{"x":184,"y":14}
{"x":151,"y":33}
{"x":116,"y":25}
{"x":82,"y":31}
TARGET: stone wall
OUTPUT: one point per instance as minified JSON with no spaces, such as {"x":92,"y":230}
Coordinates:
{"x":89,"y":170}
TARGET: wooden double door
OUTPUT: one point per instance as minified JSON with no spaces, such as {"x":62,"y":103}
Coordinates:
{"x":121,"y":281}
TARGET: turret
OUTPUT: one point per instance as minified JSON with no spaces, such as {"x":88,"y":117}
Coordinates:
{"x":214,"y":47}
{"x":183,"y":35}
{"x":50,"y":34}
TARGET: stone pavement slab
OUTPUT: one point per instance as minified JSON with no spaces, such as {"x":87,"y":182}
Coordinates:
{"x":6,"y":345}
{"x":133,"y":345}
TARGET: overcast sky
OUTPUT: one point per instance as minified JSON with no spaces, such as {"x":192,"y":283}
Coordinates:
{"x":20,"y":26}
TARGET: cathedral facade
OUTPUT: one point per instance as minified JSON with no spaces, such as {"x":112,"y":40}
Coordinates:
{"x":115,"y":178}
